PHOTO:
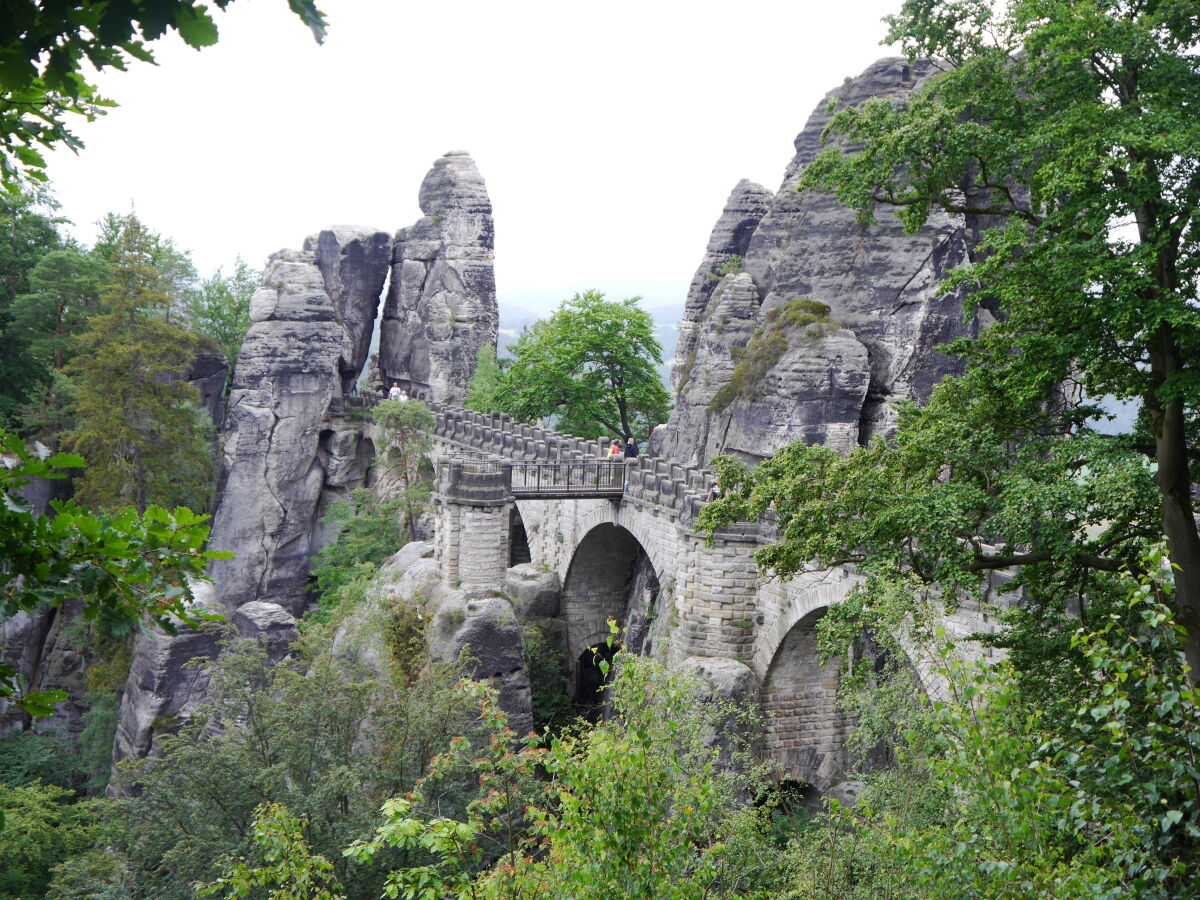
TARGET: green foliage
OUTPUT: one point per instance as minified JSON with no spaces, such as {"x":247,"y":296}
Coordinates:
{"x":765,"y":347}
{"x":26,"y":757}
{"x":46,"y":49}
{"x":40,"y":829}
{"x":549,"y":695}
{"x":1067,"y":126}
{"x":636,"y":807}
{"x":96,"y":740}
{"x":137,"y":419}
{"x":485,"y":392}
{"x":220,"y":309}
{"x":319,"y":733}
{"x":124,"y":566}
{"x":643,"y":807}
{"x":28,"y":231}
{"x":730,"y":266}
{"x":408,"y":438}
{"x":93,"y":875}
{"x":369,"y":532}
{"x":992,"y":798}
{"x":64,"y":289}
{"x":972,"y":483}
{"x":592,"y":365}
{"x":290,"y":869}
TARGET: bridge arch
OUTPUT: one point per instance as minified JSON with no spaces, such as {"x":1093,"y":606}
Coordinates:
{"x":805,"y":729}
{"x":610,"y":576}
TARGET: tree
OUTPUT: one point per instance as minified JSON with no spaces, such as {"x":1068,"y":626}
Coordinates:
{"x":124,"y":566}
{"x":42,"y":829}
{"x":221,"y":308}
{"x":408,"y":432}
{"x":64,"y":289}
{"x":1068,"y":126}
{"x":592,"y":366}
{"x":485,"y":392}
{"x":996,"y":795}
{"x":368,"y":732}
{"x":28,"y":230}
{"x":45,"y":45}
{"x":637,"y":806}
{"x":137,"y":420}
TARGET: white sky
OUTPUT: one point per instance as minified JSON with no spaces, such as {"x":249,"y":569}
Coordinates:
{"x":609,"y":134}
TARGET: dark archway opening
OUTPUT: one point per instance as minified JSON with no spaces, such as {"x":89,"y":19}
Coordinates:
{"x":518,"y":540}
{"x":594,"y":672}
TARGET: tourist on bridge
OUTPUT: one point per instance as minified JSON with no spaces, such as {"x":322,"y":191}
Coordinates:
{"x":631,"y":447}
{"x":614,"y":452}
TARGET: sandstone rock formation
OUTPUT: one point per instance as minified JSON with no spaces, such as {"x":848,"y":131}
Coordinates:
{"x":834,"y":384}
{"x":441,"y":305}
{"x":285,"y":444}
{"x":729,"y":241}
{"x":287,"y":451}
{"x":207,"y":375}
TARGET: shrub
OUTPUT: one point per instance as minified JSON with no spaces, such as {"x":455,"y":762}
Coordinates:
{"x":765,"y":347}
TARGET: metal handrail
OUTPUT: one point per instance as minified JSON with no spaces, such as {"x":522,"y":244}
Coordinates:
{"x":589,"y":477}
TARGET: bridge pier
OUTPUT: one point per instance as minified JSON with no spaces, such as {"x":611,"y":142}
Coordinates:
{"x":717,"y":599}
{"x":472,"y":530}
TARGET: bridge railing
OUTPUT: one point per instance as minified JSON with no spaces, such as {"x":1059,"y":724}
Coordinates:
{"x":577,"y":478}
{"x":646,"y":479}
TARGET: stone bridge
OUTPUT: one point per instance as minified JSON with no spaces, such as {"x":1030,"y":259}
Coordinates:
{"x":622,"y":539}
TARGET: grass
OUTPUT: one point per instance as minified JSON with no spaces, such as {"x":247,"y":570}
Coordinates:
{"x":768,"y":343}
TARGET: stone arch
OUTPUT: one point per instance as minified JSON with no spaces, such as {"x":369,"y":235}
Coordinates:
{"x":801,"y":596}
{"x":805,"y":730}
{"x":604,"y":573}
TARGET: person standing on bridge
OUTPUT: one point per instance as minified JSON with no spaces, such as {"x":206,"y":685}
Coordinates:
{"x":614,"y":452}
{"x":631,"y":447}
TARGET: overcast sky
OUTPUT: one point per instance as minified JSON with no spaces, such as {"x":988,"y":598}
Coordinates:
{"x":609,"y":134}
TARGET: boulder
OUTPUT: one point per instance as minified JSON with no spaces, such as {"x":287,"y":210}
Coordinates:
{"x":534,"y":593}
{"x":269,"y":623}
{"x":729,"y":679}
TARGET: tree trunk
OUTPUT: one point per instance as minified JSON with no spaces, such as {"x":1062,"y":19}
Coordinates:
{"x":1175,"y":486}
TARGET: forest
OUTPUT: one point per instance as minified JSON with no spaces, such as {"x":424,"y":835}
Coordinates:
{"x":355,"y":764}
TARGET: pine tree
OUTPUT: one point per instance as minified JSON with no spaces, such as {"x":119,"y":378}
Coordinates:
{"x":137,"y":420}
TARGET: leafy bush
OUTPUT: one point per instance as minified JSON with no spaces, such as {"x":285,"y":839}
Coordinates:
{"x":320,"y":733}
{"x":992,"y":798}
{"x":41,"y":827}
{"x":731,"y":266}
{"x":370,"y":532}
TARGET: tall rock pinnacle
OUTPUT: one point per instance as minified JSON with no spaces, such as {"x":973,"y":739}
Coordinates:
{"x":441,"y":306}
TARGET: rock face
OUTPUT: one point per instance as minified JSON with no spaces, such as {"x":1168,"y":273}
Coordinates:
{"x":730,"y":238}
{"x":835,"y":383}
{"x":441,"y":305}
{"x":287,"y":451}
{"x":207,"y":375}
{"x":286,"y":446}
